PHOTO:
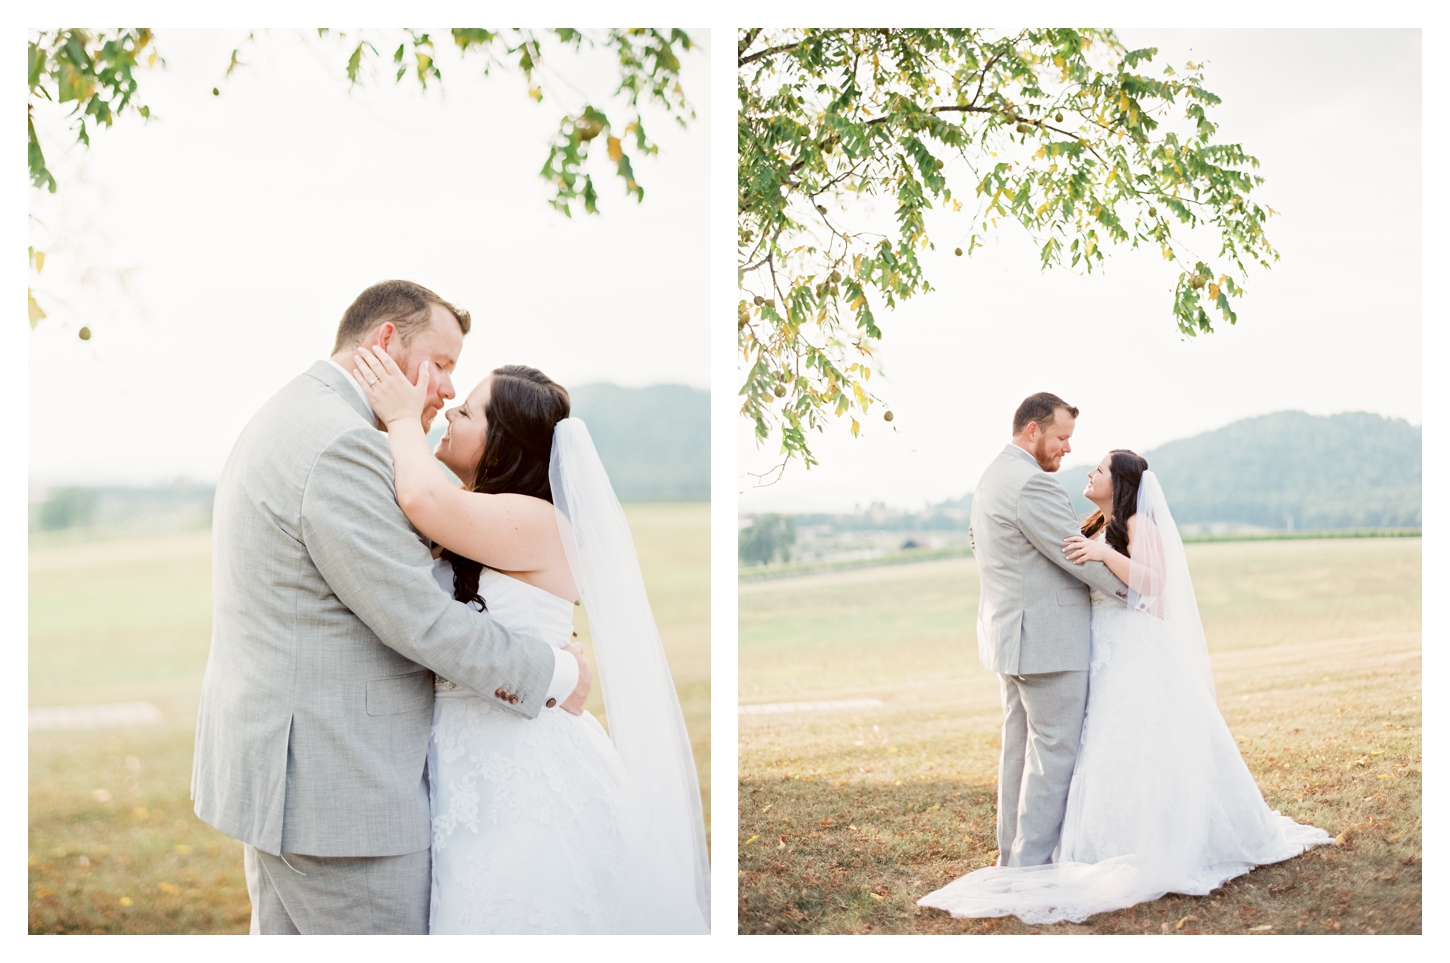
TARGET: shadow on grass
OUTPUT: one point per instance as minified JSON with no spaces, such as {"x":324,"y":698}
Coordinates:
{"x":853,"y":857}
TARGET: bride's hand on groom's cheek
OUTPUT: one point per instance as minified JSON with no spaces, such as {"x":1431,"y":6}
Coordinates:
{"x":393,"y":396}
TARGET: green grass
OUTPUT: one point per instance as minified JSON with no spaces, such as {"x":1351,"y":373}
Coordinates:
{"x":847,"y":818}
{"x":113,"y":844}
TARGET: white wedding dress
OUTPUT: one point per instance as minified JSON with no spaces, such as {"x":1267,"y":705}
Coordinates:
{"x":552,"y":825}
{"x":1160,"y":800}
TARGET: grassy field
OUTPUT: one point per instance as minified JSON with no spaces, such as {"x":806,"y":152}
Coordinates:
{"x":848,"y":817}
{"x":113,"y":844}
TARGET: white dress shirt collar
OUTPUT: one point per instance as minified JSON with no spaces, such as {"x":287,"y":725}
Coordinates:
{"x":353,"y":381}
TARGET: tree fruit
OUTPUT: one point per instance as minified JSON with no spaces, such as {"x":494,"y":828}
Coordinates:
{"x":759,"y":300}
{"x":937,"y":163}
{"x":780,"y":391}
{"x":1152,"y":212}
{"x":85,"y":334}
{"x":821,"y":208}
{"x":888,"y":416}
{"x":835,"y":276}
{"x":1024,"y":128}
{"x":1057,"y":117}
{"x":959,"y":252}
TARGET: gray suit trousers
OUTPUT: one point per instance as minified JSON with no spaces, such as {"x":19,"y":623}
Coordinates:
{"x":1043,"y":717}
{"x":295,"y":894}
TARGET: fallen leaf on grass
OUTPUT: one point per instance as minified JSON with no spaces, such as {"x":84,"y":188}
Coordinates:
{"x":1260,"y":929}
{"x":1184,"y":920}
{"x":170,"y":889}
{"x":125,"y":901}
{"x":751,"y":840}
{"x":876,"y":896}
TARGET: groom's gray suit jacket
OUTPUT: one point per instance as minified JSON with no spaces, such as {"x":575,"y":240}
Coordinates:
{"x":312,"y":732}
{"x":1035,"y":613}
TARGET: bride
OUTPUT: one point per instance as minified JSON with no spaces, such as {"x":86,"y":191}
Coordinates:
{"x":1160,"y":800}
{"x":549,"y":825}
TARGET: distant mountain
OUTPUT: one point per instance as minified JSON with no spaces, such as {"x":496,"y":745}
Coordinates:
{"x":1288,"y":470}
{"x":1279,"y":471}
{"x":654,"y":442}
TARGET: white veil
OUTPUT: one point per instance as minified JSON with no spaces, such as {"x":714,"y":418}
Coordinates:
{"x":640,"y":703}
{"x":1158,"y":580}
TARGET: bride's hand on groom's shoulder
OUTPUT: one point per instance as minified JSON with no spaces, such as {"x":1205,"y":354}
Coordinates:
{"x":1079,"y":550}
{"x":394,"y":398}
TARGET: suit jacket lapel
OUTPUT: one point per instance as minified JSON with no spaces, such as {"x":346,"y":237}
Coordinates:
{"x":337,"y":381}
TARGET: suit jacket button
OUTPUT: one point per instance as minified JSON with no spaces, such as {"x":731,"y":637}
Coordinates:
{"x":513,"y":699}
{"x":550,"y":704}
{"x":498,"y":693}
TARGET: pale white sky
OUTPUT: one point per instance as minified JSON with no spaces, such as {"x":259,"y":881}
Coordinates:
{"x":1334,"y":116}
{"x":244,"y":224}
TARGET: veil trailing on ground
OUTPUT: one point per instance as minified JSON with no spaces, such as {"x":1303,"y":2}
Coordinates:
{"x":641,"y":706}
{"x":1158,"y":581}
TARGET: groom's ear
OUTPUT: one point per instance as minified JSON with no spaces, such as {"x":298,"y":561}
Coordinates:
{"x":386,"y":333}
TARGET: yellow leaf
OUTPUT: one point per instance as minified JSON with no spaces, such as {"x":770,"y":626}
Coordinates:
{"x":170,"y":889}
{"x":751,"y":840}
{"x":1213,"y":292}
{"x":1041,"y":152}
{"x":859,"y":300}
{"x":1184,"y":920}
{"x":856,"y":430}
{"x":125,"y":901}
{"x":537,"y":93}
{"x":39,"y":261}
{"x":876,"y":896}
{"x":35,"y":312}
{"x":616,"y":150}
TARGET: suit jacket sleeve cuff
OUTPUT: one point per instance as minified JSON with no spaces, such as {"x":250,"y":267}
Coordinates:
{"x":566,"y":676}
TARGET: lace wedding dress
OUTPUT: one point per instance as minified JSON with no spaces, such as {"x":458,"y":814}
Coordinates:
{"x":1160,"y":800}
{"x":537,"y":824}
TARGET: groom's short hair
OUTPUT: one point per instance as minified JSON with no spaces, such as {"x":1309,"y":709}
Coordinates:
{"x":407,"y":305}
{"x":1041,"y":408}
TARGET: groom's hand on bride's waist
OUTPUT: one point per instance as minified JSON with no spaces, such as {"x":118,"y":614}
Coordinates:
{"x":574,"y":705}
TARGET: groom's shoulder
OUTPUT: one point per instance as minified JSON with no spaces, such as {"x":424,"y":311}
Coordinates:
{"x":1009,"y":469}
{"x":307,"y":417}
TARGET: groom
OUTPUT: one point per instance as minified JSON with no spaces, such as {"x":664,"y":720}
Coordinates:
{"x":328,"y":626}
{"x":1033,"y":625}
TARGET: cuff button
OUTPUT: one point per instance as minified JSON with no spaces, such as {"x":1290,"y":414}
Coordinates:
{"x":550,"y":704}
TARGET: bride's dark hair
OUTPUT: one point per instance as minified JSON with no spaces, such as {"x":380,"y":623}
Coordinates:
{"x":1125,"y":468}
{"x":523,"y":406}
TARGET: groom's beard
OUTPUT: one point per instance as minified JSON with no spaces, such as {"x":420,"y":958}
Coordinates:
{"x":1043,"y":462}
